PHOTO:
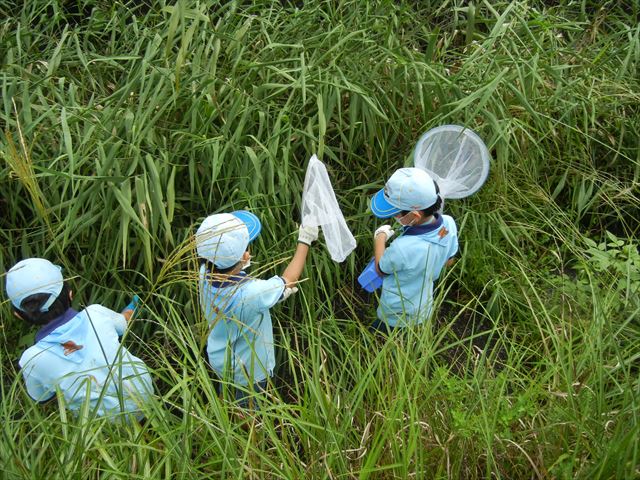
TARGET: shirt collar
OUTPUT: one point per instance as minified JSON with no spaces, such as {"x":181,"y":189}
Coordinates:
{"x":421,"y":229}
{"x":55,"y":323}
{"x":232,"y":280}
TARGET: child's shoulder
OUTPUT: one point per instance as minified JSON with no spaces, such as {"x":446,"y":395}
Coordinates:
{"x":37,"y":356}
{"x":449,"y":222}
{"x":448,"y":219}
{"x":97,"y":309}
{"x":102,"y":315}
{"x":263,"y":293}
{"x":31,"y":355}
{"x":256,"y":285}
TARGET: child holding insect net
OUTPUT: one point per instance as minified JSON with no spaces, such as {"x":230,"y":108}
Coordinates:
{"x":76,"y":354}
{"x":240,"y":346}
{"x":412,"y":262}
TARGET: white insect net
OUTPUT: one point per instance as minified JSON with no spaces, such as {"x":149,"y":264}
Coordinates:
{"x":455,"y":157}
{"x":320,"y":209}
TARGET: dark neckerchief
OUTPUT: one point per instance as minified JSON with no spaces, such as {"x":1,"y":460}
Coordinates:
{"x":55,"y":323}
{"x":232,"y":280}
{"x":421,"y":229}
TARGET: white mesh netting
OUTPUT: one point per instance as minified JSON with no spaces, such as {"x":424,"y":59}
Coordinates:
{"x":455,"y":157}
{"x":320,"y":208}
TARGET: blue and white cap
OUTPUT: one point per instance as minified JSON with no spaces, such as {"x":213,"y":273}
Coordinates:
{"x":31,"y":276}
{"x":408,"y":189}
{"x":223,"y":238}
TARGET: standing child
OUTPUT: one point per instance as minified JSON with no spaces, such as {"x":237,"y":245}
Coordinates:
{"x":415,"y":260}
{"x":76,"y":353}
{"x":240,"y":346}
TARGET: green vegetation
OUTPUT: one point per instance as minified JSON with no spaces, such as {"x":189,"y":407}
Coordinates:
{"x":123,"y":125}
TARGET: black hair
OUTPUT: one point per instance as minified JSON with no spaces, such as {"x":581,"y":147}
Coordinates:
{"x":427,"y":212}
{"x":30,"y":307}
{"x":211,"y":268}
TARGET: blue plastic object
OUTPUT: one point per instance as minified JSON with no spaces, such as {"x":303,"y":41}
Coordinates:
{"x":370,"y":279}
{"x":134,"y":303}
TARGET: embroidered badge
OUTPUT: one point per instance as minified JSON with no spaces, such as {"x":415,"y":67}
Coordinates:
{"x":443,"y":232}
{"x":70,"y":347}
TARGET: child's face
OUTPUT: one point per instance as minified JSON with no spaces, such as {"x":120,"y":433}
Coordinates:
{"x":246,"y":259}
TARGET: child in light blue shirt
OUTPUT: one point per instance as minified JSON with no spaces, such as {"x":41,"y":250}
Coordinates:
{"x":415,"y":260}
{"x":76,"y":353}
{"x":237,"y":306}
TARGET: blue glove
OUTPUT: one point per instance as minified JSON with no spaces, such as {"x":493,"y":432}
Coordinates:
{"x":134,"y":303}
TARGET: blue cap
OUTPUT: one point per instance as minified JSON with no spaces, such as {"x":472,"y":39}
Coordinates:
{"x":223,"y":238}
{"x":254,"y":227}
{"x":32,"y":276}
{"x":408,"y":189}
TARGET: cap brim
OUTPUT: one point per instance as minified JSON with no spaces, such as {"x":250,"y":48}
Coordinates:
{"x":251,"y":221}
{"x":381,"y":208}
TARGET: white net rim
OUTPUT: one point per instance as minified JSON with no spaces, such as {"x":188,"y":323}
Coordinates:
{"x":470,"y":134}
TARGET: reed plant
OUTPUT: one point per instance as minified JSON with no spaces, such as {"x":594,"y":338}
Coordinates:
{"x":125,"y":123}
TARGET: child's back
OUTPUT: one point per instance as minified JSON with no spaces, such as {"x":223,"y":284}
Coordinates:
{"x":83,"y":357}
{"x":238,"y":310}
{"x":413,"y":262}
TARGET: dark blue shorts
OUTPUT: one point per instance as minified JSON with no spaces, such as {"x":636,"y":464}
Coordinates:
{"x":249,"y":396}
{"x":378,"y":326}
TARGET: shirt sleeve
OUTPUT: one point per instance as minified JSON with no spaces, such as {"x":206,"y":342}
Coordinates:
{"x":108,"y":316}
{"x":453,"y":242}
{"x":392,"y":259}
{"x":268,"y":292}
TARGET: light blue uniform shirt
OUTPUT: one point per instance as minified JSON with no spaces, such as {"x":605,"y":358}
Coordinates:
{"x":83,"y":358}
{"x":241,"y":338}
{"x":412,"y":263}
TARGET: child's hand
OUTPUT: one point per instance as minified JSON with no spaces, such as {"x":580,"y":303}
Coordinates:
{"x":307,"y":235}
{"x":386,"y":229}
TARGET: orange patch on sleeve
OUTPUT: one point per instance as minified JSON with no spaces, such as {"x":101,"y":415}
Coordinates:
{"x":70,"y":347}
{"x":443,"y":232}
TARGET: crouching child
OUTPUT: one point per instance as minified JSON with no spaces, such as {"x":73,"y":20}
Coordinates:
{"x":76,"y":353}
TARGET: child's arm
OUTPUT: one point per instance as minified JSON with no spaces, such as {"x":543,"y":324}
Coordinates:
{"x":306,"y":236}
{"x":380,"y":237}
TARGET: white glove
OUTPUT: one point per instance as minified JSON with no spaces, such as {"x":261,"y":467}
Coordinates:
{"x":287,"y":293}
{"x":386,"y":229}
{"x":307,"y":235}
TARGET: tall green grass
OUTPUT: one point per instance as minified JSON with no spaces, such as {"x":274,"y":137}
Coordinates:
{"x":124,"y":124}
